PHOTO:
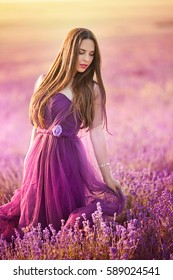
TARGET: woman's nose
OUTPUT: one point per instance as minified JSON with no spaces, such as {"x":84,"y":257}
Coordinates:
{"x":86,"y":57}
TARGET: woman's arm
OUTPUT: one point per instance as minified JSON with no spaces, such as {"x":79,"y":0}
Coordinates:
{"x":100,"y":150}
{"x":98,"y":141}
{"x":34,"y":129}
{"x":99,"y":144}
{"x":33,"y":134}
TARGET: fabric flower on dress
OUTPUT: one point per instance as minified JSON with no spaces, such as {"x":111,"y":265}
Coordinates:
{"x":57,"y":130}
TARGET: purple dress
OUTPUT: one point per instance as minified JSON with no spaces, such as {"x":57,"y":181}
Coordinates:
{"x":59,"y":182}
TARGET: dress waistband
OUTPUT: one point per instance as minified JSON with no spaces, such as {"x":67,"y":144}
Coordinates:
{"x":56,"y":131}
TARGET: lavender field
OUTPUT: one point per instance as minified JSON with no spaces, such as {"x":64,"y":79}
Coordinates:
{"x":137,"y":59}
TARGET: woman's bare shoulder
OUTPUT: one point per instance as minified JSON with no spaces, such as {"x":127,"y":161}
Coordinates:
{"x":96,"y":88}
{"x":39,"y":81}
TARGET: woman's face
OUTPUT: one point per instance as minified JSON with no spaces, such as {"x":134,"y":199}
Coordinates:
{"x":85,"y":55}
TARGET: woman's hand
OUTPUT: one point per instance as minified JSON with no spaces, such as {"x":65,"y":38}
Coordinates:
{"x":113,"y":184}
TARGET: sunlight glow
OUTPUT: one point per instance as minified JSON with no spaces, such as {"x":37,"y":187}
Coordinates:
{"x":116,"y":2}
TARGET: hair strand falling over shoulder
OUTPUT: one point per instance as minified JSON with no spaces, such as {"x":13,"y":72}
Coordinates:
{"x":61,"y":74}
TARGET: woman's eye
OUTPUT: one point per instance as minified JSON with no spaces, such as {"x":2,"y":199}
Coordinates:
{"x":81,"y":52}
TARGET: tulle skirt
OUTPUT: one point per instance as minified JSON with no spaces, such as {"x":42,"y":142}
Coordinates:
{"x":59,"y":183}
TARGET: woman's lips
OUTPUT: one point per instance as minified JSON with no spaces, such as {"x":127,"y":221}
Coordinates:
{"x":83,"y":66}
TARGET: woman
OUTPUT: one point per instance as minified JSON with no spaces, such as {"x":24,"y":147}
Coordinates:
{"x":59,"y":182}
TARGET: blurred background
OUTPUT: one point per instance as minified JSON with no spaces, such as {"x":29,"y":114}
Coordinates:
{"x":136,"y":42}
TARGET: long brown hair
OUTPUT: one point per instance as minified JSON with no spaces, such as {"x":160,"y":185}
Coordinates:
{"x":61,"y":74}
